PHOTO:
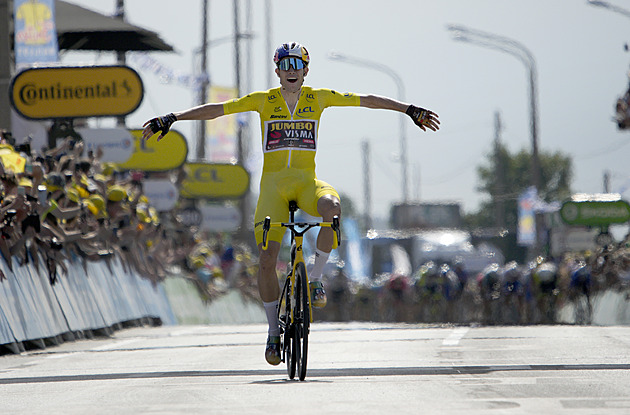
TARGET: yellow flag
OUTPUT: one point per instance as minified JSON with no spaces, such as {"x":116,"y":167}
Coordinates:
{"x":11,"y":160}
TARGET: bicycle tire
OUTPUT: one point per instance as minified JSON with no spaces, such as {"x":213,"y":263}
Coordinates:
{"x":302,"y":320}
{"x":284,"y":316}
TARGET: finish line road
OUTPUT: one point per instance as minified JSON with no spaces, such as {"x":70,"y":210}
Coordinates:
{"x":362,"y":368}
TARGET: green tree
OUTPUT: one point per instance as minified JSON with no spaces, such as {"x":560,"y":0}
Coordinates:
{"x":503,"y":178}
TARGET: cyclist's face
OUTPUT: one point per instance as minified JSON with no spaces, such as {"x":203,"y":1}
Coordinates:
{"x":292,"y":79}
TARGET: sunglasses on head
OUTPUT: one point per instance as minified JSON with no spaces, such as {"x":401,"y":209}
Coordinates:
{"x":287,"y":63}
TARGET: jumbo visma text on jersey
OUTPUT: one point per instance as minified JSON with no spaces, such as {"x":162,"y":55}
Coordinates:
{"x":283,"y":135}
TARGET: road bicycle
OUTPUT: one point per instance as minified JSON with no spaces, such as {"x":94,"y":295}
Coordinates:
{"x":294,"y":310}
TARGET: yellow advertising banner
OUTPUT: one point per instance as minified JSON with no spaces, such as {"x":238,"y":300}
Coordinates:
{"x":152,"y":155}
{"x":76,"y":92}
{"x":221,"y":141}
{"x":214,"y":181}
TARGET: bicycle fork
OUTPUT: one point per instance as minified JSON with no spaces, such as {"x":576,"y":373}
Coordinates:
{"x":299,"y":258}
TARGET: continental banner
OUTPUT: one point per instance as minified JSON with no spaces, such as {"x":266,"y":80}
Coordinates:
{"x":76,"y":92}
{"x":150,"y":155}
{"x":214,"y":181}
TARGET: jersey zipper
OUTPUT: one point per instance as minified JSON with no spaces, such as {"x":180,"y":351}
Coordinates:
{"x":291,"y":112}
{"x":292,"y":119}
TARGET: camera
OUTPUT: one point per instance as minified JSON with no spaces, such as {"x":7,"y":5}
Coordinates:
{"x":9,"y":216}
{"x":32,"y":220}
{"x":55,"y":244}
{"x":42,"y":194}
{"x":23,"y":148}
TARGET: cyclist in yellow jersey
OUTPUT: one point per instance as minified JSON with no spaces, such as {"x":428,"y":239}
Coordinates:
{"x":289,"y":120}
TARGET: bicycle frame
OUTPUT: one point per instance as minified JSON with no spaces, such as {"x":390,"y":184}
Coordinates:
{"x":297,"y":238}
{"x":299,"y":258}
{"x":296,"y":299}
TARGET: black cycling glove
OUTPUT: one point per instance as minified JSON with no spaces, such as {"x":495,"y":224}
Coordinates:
{"x":162,"y":124}
{"x":420,"y":116}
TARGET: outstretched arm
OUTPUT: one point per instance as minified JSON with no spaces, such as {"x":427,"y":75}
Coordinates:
{"x":382,"y":103}
{"x":423,"y":118}
{"x":163,"y":124}
{"x":202,"y":112}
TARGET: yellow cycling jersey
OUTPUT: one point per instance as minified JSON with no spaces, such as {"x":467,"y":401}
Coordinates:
{"x":289,"y":140}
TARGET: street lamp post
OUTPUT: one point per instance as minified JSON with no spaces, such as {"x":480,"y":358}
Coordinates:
{"x":609,"y":6}
{"x":518,"y":50}
{"x":203,"y":88}
{"x":334,"y":55}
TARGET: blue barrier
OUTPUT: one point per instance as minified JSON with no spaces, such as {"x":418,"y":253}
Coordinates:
{"x":92,"y":296}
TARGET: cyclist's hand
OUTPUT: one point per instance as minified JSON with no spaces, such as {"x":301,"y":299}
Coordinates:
{"x":162,"y":124}
{"x":424,"y":118}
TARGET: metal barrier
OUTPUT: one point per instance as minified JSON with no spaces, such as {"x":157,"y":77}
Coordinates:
{"x":92,"y":296}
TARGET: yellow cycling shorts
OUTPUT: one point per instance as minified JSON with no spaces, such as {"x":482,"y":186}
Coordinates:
{"x":277,"y":189}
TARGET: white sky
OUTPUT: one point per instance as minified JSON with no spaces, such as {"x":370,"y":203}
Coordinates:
{"x":581,"y":63}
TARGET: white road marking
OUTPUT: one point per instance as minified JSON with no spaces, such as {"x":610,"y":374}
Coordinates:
{"x":455,"y":336}
{"x":112,"y":346}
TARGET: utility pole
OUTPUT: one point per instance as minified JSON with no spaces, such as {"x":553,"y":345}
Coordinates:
{"x":365,"y":146}
{"x":121,"y":57}
{"x":203,"y":88}
{"x":246,"y":220}
{"x":237,"y":65}
{"x":268,"y":37}
{"x":247,"y":84}
{"x":499,"y":195}
{"x":6,"y":26}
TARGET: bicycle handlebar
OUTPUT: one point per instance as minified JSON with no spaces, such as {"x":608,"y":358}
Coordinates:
{"x":268,"y":224}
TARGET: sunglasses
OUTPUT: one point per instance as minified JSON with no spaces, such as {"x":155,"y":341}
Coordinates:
{"x":287,"y":63}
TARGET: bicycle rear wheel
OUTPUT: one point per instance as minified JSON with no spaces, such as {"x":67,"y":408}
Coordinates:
{"x":302,"y":320}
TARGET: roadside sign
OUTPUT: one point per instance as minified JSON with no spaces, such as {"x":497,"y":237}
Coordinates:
{"x":150,"y":155}
{"x":76,"y":92}
{"x":116,"y":143}
{"x":189,"y":216}
{"x":214,"y":181}
{"x":595,"y":210}
{"x":162,"y":194}
{"x":220,"y":218}
{"x":572,"y":239}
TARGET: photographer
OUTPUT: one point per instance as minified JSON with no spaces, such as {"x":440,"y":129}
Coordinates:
{"x":7,"y":236}
{"x":30,"y":224}
{"x":6,"y":137}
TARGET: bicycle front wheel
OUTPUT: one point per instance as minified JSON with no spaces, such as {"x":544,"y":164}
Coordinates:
{"x":287,"y":329}
{"x":302,"y":320}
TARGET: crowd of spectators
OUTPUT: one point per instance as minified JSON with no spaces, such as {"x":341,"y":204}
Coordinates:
{"x":63,"y":204}
{"x":543,"y":291}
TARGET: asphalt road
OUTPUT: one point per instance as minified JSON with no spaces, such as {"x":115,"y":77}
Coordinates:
{"x":353,"y":368}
